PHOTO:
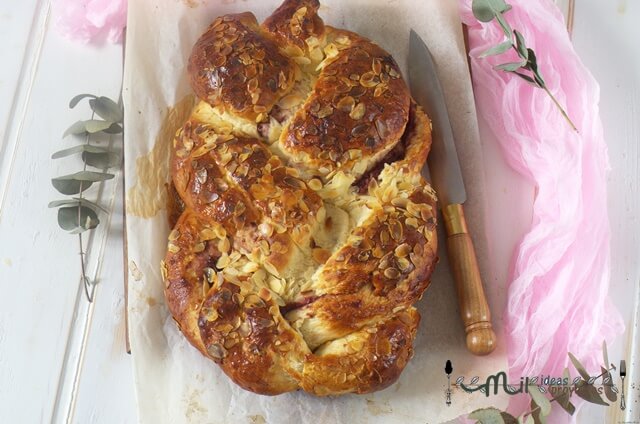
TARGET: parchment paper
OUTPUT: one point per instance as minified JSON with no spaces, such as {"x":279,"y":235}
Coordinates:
{"x":174,"y":382}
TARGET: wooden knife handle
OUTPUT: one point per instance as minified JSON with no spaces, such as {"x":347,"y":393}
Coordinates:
{"x":474,"y":310}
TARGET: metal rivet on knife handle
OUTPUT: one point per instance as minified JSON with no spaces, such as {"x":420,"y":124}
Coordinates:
{"x":474,"y":310}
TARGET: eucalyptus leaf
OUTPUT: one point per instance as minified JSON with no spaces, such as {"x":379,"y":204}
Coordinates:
{"x":90,"y":126}
{"x":93,"y":126}
{"x":75,"y":129}
{"x":528,"y":420}
{"x":536,"y":414}
{"x":71,"y":220}
{"x":107,"y":109}
{"x":88,"y":176}
{"x":510,"y":67}
{"x":533,"y":60}
{"x":533,"y":65}
{"x":114,"y":129}
{"x":541,"y":400}
{"x":459,"y":380}
{"x":615,"y":389}
{"x":506,"y":28}
{"x":499,"y":49}
{"x":66,"y":186}
{"x":521,"y":46}
{"x":475,"y":379}
{"x":75,"y":201}
{"x":563,"y":400}
{"x":527,"y":78}
{"x":579,"y":367}
{"x":607,"y":381}
{"x":589,"y":393}
{"x":89,"y":224}
{"x":80,"y":181}
{"x":101,"y":160}
{"x":77,"y":99}
{"x":486,"y":10}
{"x":487,"y":416}
{"x":77,"y":149}
{"x":538,"y":78}
{"x":508,"y":418}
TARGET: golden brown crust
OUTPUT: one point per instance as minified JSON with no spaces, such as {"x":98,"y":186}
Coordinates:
{"x":375,"y":358}
{"x":234,"y":66}
{"x":295,"y":21}
{"x":356,"y":113}
{"x":306,"y":236}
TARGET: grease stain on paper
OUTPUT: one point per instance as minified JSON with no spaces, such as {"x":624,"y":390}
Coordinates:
{"x":378,"y":408}
{"x":149,"y":195}
{"x":257,"y":419}
{"x":192,"y":3}
{"x":135,"y":271}
{"x":194,"y":412}
{"x":622,"y":7}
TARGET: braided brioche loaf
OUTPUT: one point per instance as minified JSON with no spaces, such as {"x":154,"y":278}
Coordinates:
{"x":307,"y":232}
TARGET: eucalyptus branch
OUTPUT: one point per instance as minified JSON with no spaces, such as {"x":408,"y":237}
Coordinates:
{"x":77,"y":214}
{"x":562,"y":395}
{"x":527,"y":67}
{"x":583,"y":387}
{"x":83,"y":272}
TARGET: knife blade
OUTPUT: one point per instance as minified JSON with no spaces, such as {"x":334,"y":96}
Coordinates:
{"x":444,"y":166}
{"x":446,"y":177}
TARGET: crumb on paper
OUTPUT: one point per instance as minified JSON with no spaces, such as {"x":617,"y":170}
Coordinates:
{"x":192,"y":3}
{"x":257,"y":419}
{"x":378,"y":408}
{"x":135,"y":271}
{"x":149,"y":195}
{"x":194,"y":411}
{"x":151,"y":301}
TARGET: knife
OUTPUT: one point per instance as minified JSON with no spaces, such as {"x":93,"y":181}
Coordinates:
{"x":447,"y":179}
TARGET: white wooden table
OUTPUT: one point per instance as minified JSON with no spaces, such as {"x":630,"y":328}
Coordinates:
{"x":63,"y":360}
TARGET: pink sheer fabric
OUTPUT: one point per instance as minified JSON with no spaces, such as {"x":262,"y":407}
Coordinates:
{"x":557,"y":301}
{"x":91,"y":20}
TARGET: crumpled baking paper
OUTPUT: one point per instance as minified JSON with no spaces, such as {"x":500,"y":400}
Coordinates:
{"x":174,"y":382}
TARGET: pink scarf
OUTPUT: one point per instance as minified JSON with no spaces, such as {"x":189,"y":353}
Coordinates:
{"x":557,"y":300}
{"x":91,"y":20}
